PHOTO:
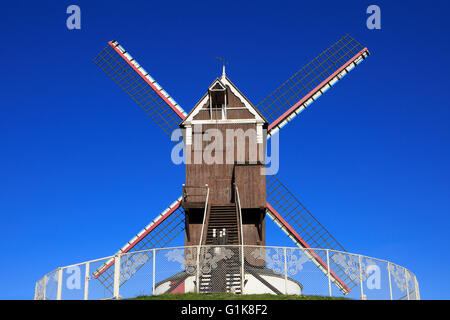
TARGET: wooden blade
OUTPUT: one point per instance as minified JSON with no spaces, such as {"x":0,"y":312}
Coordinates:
{"x":308,"y":84}
{"x":304,"y":229}
{"x":118,"y":64}
{"x":160,"y":232}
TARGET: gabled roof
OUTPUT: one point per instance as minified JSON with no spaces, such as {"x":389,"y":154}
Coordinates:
{"x":224,"y":81}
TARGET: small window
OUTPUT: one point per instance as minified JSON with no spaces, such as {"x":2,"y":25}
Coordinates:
{"x":217,"y":101}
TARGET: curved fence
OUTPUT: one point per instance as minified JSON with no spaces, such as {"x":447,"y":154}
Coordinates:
{"x":236,"y":269}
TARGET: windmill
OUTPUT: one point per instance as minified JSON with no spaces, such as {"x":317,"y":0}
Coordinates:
{"x":228,"y":202}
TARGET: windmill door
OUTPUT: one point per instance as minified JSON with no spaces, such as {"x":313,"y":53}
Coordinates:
{"x":221,"y":190}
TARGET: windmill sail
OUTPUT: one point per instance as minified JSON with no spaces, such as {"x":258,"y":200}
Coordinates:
{"x":118,"y":64}
{"x":309,"y":83}
{"x":304,"y":229}
{"x":162,"y":230}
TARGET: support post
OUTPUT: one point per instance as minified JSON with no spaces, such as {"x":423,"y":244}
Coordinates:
{"x":417,"y":288}
{"x":285,"y":272}
{"x":59,"y":290}
{"x":116,"y":276}
{"x":390,"y":283}
{"x":36,"y":290}
{"x":328,"y":272}
{"x":406,"y":282}
{"x":45,"y":287}
{"x":197,"y":283}
{"x":154,"y":270}
{"x":242,"y":269}
{"x":361,"y":278}
{"x":87,"y":277}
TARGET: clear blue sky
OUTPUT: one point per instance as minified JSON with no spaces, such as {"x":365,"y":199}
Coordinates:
{"x":78,"y":171}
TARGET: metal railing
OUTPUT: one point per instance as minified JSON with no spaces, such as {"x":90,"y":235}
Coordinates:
{"x":266,"y":269}
{"x":194,"y":193}
{"x":204,"y":215}
{"x":197,"y":281}
{"x":241,"y":237}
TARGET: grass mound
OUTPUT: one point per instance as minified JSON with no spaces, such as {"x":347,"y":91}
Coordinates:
{"x":230,"y":296}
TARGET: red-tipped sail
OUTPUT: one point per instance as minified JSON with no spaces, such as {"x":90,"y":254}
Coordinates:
{"x":163,"y":229}
{"x":117,"y":63}
{"x":304,"y":229}
{"x":310,"y":82}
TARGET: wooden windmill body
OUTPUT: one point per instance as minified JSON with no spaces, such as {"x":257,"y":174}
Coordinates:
{"x":232,"y":170}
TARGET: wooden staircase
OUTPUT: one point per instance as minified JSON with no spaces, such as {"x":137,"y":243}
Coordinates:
{"x":226,"y":277}
{"x":223,"y":217}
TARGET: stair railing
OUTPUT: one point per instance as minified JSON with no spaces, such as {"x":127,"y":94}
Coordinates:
{"x":241,"y":242}
{"x":241,"y":236}
{"x":204,"y":215}
{"x":201,"y":239}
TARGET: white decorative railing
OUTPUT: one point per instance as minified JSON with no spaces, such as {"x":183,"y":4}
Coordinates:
{"x":277,"y":270}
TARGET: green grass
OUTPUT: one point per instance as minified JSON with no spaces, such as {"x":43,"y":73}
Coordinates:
{"x":229,"y":296}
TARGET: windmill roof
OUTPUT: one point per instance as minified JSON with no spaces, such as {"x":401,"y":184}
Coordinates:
{"x":225,"y":81}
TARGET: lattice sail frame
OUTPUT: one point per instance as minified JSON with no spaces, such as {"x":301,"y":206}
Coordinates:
{"x":160,"y":232}
{"x":306,"y":231}
{"x":120,"y":66}
{"x":310,"y":82}
{"x":280,"y":107}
